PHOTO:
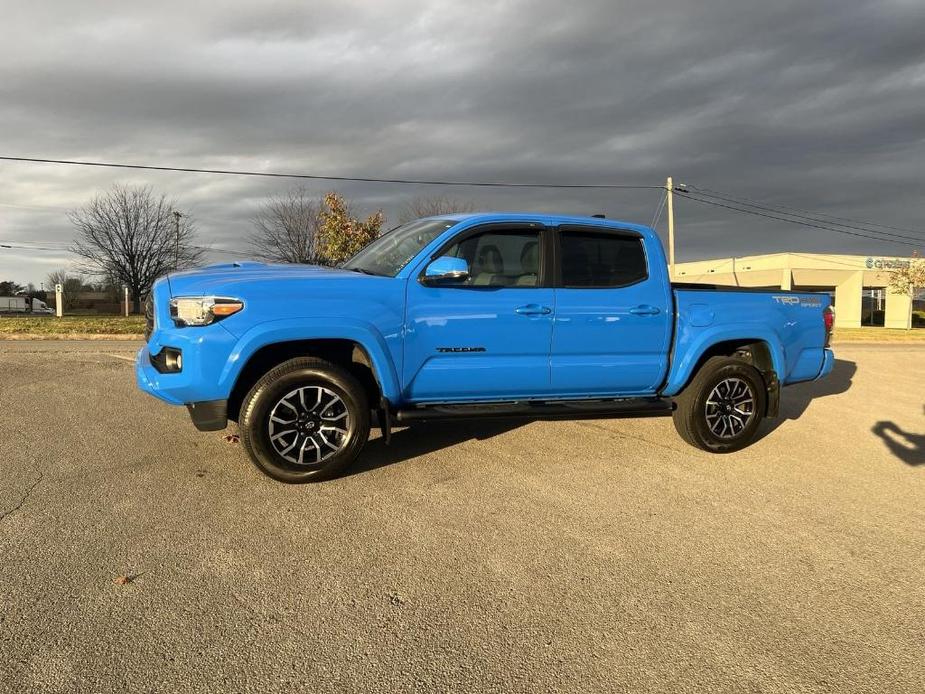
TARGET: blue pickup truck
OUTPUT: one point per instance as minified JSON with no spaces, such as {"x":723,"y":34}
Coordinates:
{"x":482,"y":315}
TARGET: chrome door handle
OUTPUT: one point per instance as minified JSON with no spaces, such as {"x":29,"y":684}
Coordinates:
{"x":645,"y":310}
{"x":533,"y":310}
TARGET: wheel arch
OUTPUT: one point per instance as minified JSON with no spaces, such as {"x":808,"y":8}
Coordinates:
{"x":762,"y":352}
{"x":363,"y":353}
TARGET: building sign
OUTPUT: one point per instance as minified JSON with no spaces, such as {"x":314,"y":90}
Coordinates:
{"x":887,"y":263}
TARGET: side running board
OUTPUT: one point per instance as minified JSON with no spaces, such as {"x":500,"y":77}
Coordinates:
{"x":556,"y":409}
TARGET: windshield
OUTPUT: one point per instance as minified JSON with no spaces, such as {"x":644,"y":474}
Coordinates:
{"x":388,"y":254}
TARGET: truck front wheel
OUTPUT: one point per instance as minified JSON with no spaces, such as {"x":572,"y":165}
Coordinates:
{"x":304,"y":420}
{"x":722,"y":407}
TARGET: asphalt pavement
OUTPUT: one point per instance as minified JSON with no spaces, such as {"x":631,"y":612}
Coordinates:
{"x":137,"y":554}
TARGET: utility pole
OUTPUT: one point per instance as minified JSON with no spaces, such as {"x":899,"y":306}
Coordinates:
{"x":669,"y":193}
{"x":176,"y":226}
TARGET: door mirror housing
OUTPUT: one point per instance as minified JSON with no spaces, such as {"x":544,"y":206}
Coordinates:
{"x":446,"y":269}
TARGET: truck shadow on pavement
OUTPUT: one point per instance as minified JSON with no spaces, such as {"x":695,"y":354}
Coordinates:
{"x":795,"y":399}
{"x":429,"y":437}
{"x":908,"y":447}
{"x":424,"y":438}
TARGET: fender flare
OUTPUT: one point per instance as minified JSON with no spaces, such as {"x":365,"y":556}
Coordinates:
{"x":682,"y":370}
{"x":315,"y":328}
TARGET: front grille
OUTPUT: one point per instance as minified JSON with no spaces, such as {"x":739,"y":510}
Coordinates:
{"x":149,"y":318}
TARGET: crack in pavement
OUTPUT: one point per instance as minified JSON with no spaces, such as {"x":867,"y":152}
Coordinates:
{"x":623,"y":435}
{"x":25,"y":496}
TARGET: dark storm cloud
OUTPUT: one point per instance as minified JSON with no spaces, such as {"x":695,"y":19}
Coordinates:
{"x":813,"y":104}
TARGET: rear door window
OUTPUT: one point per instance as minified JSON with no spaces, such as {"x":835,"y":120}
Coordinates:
{"x":600,"y":259}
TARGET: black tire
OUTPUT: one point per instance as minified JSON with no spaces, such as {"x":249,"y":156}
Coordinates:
{"x":697,"y":421}
{"x":292,"y":381}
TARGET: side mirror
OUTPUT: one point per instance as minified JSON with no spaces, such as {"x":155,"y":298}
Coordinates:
{"x":446,"y":269}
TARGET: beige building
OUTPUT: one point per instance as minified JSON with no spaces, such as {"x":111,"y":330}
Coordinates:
{"x":858,"y":283}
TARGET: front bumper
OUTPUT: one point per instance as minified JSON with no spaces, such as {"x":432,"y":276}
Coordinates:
{"x":206,"y":353}
{"x":198,"y":385}
{"x":205,"y":380}
{"x":148,"y":378}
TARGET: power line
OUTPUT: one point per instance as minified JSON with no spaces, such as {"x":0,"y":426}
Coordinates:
{"x":704,"y":191}
{"x":856,"y":266}
{"x":659,"y":209}
{"x":194,"y":215}
{"x":688,"y":196}
{"x":31,"y":248}
{"x":40,"y":242}
{"x":33,"y":207}
{"x":806,"y":214}
{"x":226,"y":251}
{"x":318,"y":177}
{"x":799,"y":222}
{"x":66,"y":248}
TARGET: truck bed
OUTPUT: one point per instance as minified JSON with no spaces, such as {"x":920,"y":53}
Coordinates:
{"x":790,"y":323}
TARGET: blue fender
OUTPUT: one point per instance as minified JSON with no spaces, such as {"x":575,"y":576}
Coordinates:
{"x":314,"y":328}
{"x":693,"y":347}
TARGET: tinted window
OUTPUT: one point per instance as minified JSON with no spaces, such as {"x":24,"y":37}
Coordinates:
{"x":599,"y":259}
{"x":508,"y":258}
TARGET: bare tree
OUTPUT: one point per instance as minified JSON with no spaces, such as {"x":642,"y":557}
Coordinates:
{"x":71,"y":286}
{"x":433,"y":206}
{"x":286,"y":229}
{"x":132,"y":235}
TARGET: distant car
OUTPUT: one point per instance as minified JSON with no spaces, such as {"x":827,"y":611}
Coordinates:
{"x":488,"y":315}
{"x":23,"y":304}
{"x":40,"y":307}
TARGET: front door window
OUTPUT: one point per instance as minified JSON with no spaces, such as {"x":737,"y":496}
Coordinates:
{"x":501,"y":258}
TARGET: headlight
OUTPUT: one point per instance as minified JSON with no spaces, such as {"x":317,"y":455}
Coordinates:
{"x":202,"y":310}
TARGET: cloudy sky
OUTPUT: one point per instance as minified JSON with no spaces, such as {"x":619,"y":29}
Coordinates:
{"x":813,"y":104}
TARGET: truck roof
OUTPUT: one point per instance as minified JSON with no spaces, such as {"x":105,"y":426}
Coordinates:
{"x":550,"y":219}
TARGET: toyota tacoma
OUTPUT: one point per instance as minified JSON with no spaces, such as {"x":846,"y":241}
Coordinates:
{"x":481,"y":315}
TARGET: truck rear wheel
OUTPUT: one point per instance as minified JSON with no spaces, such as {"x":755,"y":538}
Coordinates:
{"x":304,"y":421}
{"x":722,"y":407}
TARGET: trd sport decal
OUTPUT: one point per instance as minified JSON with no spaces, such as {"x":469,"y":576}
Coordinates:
{"x":804,"y":301}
